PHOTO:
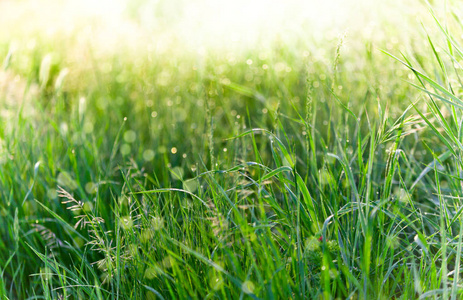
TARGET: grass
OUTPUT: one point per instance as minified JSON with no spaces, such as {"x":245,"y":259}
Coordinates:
{"x":274,"y":172}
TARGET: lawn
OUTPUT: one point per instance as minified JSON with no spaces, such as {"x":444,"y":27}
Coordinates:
{"x":142,"y":157}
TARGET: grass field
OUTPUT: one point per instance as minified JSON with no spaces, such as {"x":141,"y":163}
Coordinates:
{"x":317,"y":162}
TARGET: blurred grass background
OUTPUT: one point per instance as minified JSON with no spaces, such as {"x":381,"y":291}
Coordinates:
{"x":111,"y":100}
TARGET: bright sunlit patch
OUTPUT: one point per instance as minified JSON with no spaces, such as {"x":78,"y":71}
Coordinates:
{"x":100,"y":8}
{"x":200,"y":23}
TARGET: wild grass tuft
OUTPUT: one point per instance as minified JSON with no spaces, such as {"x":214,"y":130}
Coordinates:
{"x":268,"y":173}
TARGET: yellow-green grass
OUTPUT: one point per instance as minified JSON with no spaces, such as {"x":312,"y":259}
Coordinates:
{"x":297,"y":167}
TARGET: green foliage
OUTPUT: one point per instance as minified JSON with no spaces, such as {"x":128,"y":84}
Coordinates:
{"x":267,"y":173}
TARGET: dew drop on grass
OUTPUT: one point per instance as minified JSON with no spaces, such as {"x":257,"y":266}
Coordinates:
{"x":167,"y":262}
{"x":248,"y":287}
{"x":88,"y":206}
{"x":52,"y":194}
{"x":177,"y":173}
{"x":190,"y":185}
{"x":216,"y":282}
{"x":65,"y":180}
{"x":125,"y":149}
{"x":90,"y":187}
{"x":130,"y":136}
{"x":173,"y":150}
{"x":150,"y":273}
{"x":46,"y":273}
{"x":162,"y":149}
{"x":88,"y":127}
{"x":150,"y":296}
{"x":148,"y":155}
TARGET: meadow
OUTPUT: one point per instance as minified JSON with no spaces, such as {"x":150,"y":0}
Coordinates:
{"x":308,"y":164}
